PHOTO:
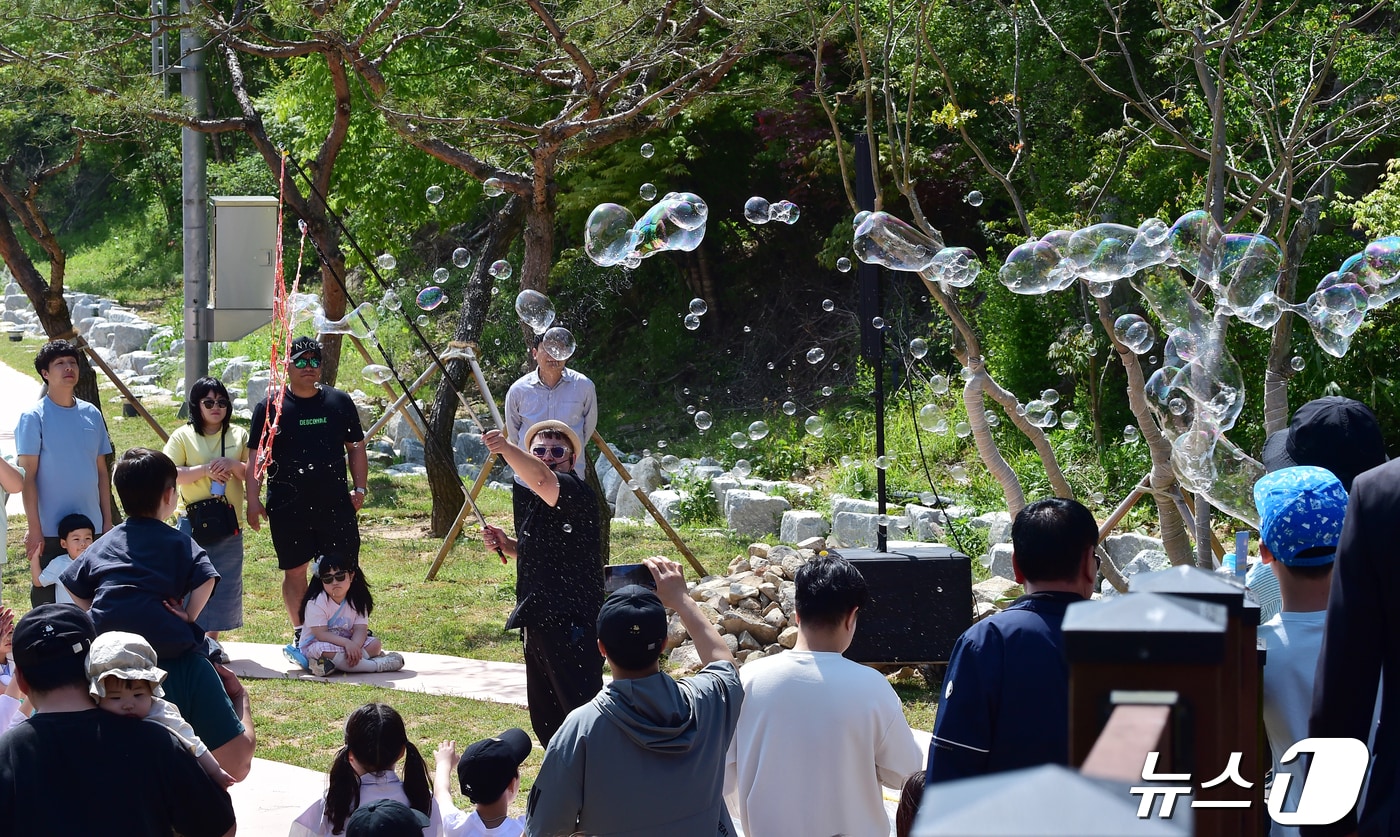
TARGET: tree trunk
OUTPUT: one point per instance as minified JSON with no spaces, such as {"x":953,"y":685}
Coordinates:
{"x":539,"y":248}
{"x":1175,"y":542}
{"x":443,"y":481}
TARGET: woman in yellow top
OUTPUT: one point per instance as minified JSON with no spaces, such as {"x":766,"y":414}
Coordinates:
{"x":211,"y":456}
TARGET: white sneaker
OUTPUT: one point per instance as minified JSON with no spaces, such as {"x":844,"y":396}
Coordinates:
{"x":392,"y":661}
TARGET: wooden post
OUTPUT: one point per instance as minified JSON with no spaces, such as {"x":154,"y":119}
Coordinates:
{"x":121,"y":387}
{"x":461,"y":520}
{"x":646,"y":503}
{"x":360,"y":347}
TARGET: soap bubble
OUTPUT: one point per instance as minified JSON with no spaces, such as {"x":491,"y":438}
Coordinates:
{"x":377,"y":374}
{"x":1130,"y":434}
{"x":421,"y":320}
{"x":992,"y":418}
{"x":742,"y":468}
{"x":1177,"y":406}
{"x":607,"y":234}
{"x":361,"y":322}
{"x":691,"y":321}
{"x":1133,"y":332}
{"x":828,"y":305}
{"x":493,"y":187}
{"x":698,"y":307}
{"x":703,"y":420}
{"x":670,"y":464}
{"x":676,"y":222}
{"x":386,"y":261}
{"x":816,"y":355}
{"x":535,"y":310}
{"x":738,"y":440}
{"x":785,"y":211}
{"x":918,"y":347}
{"x":974,"y":198}
{"x":1069,"y":419}
{"x":1297,"y":363}
{"x":434,"y":194}
{"x":757,"y":210}
{"x":1050,"y":396}
{"x":843,"y":264}
{"x":959,"y":475}
{"x":962,"y":430}
{"x":1249,"y":270}
{"x":814,"y":426}
{"x":647,"y":191}
{"x":932,"y":419}
{"x":884,"y":462}
{"x":966,"y":373}
{"x":461,"y":257}
{"x":883,"y":239}
{"x":391,"y":301}
{"x":956,"y":267}
{"x":758,"y":430}
{"x":1195,"y":241}
{"x":648,"y":150}
{"x":558,"y":343}
{"x":789,"y":408}
{"x":500,"y":269}
{"x":1038,"y":412}
{"x":1035,"y":267}
{"x":877,"y":323}
{"x":431,"y":297}
{"x":938,"y":384}
{"x":828,"y":391}
{"x":440,"y":275}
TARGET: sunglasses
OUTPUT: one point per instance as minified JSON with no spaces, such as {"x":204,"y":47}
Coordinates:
{"x":211,"y":403}
{"x":556,"y":451}
{"x":303,"y":362}
{"x":334,"y":578}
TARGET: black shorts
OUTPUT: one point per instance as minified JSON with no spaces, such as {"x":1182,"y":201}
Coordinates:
{"x":312,"y":524}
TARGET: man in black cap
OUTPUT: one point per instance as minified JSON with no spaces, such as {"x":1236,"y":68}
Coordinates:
{"x":129,"y":777}
{"x":386,"y":818}
{"x":646,"y":756}
{"x":310,"y":507}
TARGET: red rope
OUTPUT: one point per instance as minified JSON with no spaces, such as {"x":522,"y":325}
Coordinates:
{"x":281,"y":335}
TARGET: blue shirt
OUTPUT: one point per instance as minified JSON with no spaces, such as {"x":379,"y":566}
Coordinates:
{"x":67,"y":441}
{"x":1006,"y":694}
{"x":128,"y":574}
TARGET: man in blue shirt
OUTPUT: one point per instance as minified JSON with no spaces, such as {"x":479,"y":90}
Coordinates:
{"x":62,"y":444}
{"x":1006,"y":695}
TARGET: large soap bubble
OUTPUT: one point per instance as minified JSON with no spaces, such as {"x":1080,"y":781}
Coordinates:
{"x":1134,"y":333}
{"x":377,"y":374}
{"x":1195,"y":242}
{"x":535,"y":310}
{"x":883,"y":239}
{"x":607,"y":235}
{"x":360,"y":323}
{"x":1100,"y":253}
{"x":757,"y":210}
{"x":786,"y":211}
{"x":431,"y":297}
{"x":306,"y":308}
{"x":956,"y":267}
{"x":1249,"y":269}
{"x":558,"y":343}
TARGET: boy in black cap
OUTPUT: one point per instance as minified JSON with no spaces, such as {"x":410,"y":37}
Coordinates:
{"x":489,"y":773}
{"x":71,"y":744}
{"x":386,"y":818}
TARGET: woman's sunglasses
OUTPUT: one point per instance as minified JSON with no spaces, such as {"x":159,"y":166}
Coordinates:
{"x":334,"y":578}
{"x":303,"y":362}
{"x":556,"y":451}
{"x":211,"y":403}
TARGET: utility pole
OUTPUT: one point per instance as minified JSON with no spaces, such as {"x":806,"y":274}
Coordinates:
{"x":194,"y":200}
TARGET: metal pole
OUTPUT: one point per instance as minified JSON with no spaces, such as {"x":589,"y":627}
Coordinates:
{"x":872,"y":339}
{"x":195,"y":202}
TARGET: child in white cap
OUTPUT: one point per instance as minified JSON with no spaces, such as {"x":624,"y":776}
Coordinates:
{"x":124,"y":679}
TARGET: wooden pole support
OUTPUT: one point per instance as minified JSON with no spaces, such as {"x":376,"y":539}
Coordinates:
{"x":461,"y":520}
{"x":126,"y":393}
{"x":646,"y":503}
{"x":360,"y":347}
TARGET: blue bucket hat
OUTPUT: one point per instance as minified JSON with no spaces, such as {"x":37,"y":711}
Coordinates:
{"x":1300,"y":514}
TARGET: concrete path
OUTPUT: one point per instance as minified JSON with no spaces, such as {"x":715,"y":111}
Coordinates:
{"x":273,"y":795}
{"x":434,"y":674}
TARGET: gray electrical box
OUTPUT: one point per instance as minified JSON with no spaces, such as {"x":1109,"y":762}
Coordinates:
{"x":242,"y":267}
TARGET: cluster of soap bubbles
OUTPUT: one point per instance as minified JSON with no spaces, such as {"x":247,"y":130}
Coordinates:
{"x":698,"y":309}
{"x":759,"y":211}
{"x":881,"y":238}
{"x":361,"y":322}
{"x":535,"y":310}
{"x":613,"y":237}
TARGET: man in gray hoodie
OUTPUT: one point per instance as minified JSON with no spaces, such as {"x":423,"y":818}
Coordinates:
{"x":646,"y":756}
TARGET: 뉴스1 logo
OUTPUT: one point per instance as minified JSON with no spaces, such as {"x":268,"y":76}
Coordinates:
{"x":1333,"y":783}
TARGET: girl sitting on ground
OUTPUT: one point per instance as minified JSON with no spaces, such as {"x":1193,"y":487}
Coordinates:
{"x":363,"y":772}
{"x":335,"y":621}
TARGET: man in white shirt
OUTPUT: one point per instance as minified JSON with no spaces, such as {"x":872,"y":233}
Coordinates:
{"x":819,"y":734}
{"x":553,"y":391}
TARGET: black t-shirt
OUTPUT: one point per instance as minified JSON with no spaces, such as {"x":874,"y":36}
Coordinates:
{"x":559,"y":571}
{"x":309,"y":448}
{"x":128,"y":573}
{"x":92,"y":772}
